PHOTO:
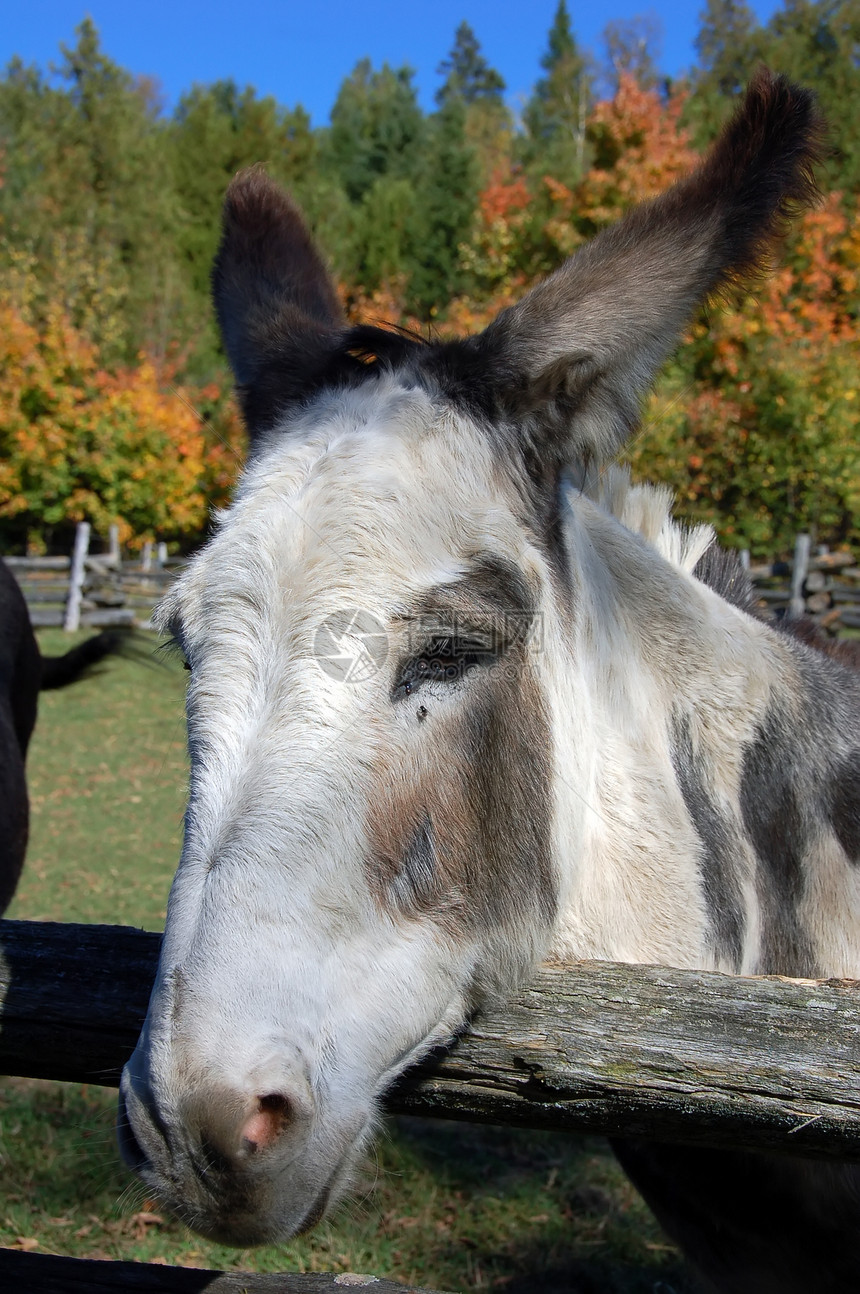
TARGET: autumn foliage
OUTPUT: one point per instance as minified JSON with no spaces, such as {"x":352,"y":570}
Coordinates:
{"x":757,"y":423}
{"x":639,"y":147}
{"x":78,"y":442}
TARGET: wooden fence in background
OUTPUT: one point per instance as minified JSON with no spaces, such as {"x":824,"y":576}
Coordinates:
{"x":85,"y":590}
{"x":103,"y":590}
{"x":689,"y":1056}
{"x":822,"y":585}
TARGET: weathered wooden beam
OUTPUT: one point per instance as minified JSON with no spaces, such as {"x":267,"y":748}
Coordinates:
{"x":48,"y":1274}
{"x":38,"y":563}
{"x":623,"y":1050}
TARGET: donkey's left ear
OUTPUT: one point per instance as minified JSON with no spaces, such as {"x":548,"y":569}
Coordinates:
{"x":276,"y":304}
{"x":573,"y":360}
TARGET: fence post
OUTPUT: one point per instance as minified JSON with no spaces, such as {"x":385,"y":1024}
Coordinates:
{"x":146,"y":556}
{"x":113,"y":545}
{"x":799,"y":570}
{"x":162,"y":554}
{"x":72,"y":616}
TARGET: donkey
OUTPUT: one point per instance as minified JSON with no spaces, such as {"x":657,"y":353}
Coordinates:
{"x":448,"y":715}
{"x":24,"y":672}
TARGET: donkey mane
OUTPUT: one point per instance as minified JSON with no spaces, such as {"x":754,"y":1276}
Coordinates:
{"x":646,"y":509}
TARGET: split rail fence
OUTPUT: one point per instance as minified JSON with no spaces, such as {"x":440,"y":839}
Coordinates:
{"x":102,"y":590}
{"x":707,"y":1059}
{"x":822,"y":585}
{"x":94,"y":591}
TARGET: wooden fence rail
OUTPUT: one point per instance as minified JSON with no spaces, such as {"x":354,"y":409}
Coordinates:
{"x":623,"y":1050}
{"x":47,"y":1274}
{"x":49,"y":1007}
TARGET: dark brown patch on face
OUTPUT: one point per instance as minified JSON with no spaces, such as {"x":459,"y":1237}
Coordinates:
{"x":494,"y":589}
{"x":463,"y":833}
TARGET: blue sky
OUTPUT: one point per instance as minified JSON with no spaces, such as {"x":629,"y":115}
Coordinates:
{"x":300,"y":52}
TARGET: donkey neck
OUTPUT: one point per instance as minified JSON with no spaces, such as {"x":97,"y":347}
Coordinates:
{"x":710,"y":816}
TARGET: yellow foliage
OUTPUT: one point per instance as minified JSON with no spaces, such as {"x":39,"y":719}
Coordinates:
{"x":78,"y":442}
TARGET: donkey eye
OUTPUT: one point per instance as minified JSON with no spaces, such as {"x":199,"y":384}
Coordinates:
{"x":445,"y":659}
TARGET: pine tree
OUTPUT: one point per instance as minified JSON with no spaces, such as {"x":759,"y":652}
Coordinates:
{"x":726,"y":45}
{"x":468,"y":75}
{"x":94,"y":213}
{"x":30,"y":111}
{"x":217,"y":130}
{"x":446,"y":197}
{"x":479,"y":87}
{"x":555,"y":115}
{"x":376,"y":127}
{"x":816,"y":43}
{"x":383,"y":233}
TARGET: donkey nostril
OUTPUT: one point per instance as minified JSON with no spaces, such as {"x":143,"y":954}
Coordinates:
{"x":268,"y":1122}
{"x":274,"y":1103}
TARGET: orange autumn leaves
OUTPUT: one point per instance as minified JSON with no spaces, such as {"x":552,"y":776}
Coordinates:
{"x":757,"y":421}
{"x":639,"y":147}
{"x":78,"y":442}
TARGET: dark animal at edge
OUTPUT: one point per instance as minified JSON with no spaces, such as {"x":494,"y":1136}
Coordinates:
{"x":24,"y":672}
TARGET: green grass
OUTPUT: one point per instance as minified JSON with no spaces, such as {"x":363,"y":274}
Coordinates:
{"x":451,"y":1206}
{"x":107,"y":775}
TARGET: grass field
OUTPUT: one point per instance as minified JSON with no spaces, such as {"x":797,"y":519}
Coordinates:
{"x":453,"y":1207}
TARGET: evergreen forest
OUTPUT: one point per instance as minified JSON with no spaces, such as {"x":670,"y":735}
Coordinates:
{"x":115,"y":402}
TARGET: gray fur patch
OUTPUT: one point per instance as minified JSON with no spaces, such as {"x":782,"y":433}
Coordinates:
{"x":506,"y":744}
{"x":845,"y":806}
{"x":417,"y":886}
{"x":718,"y":863}
{"x":772,"y":802}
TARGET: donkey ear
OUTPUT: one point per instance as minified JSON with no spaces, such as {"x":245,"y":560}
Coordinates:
{"x":573,"y":359}
{"x":276,"y":304}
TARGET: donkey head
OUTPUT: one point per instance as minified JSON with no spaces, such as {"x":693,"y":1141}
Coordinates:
{"x":386,"y":705}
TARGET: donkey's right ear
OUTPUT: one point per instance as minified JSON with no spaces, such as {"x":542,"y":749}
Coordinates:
{"x":276,"y":304}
